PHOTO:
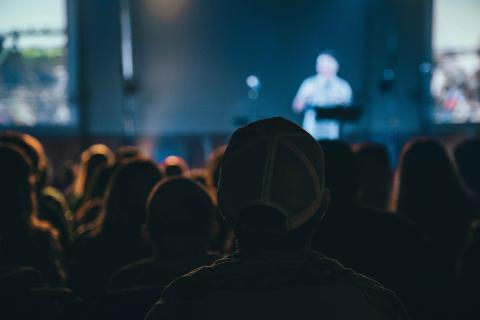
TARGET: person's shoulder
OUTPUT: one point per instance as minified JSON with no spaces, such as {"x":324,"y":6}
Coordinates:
{"x":21,"y":277}
{"x":337,"y":273}
{"x":383,"y":299}
{"x":198,"y":281}
{"x":310,"y":80}
{"x":125,"y":276}
{"x":389,"y":224}
{"x":238,"y":276}
{"x":342,"y":82}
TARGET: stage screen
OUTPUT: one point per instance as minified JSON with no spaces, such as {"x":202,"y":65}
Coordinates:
{"x":455,"y":84}
{"x":209,"y":66}
{"x":33,"y":65}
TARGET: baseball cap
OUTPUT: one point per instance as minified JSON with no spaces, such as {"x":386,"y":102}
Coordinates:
{"x":274,"y":163}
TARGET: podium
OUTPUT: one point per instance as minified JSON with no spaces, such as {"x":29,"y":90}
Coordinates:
{"x":340,"y":113}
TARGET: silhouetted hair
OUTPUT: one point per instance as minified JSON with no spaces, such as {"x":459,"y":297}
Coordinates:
{"x":181,"y":208}
{"x":17,"y":197}
{"x":428,"y":190}
{"x":467,"y":156}
{"x":90,"y":160}
{"x":99,"y":182}
{"x":31,"y":147}
{"x":174,"y":166}
{"x":341,"y":175}
{"x":374,"y":175}
{"x":126,"y":198}
{"x":214,"y":163}
{"x":426,"y":178}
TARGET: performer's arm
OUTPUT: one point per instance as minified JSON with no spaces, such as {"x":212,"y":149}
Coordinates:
{"x":298,"y":105}
{"x":301,"y":98}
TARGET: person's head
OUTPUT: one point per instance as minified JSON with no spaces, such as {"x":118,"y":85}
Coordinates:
{"x":16,"y":186}
{"x":341,"y":174}
{"x":427,"y":183}
{"x":180,"y":215}
{"x":174,"y":166}
{"x":374,"y":175}
{"x":17,"y":197}
{"x":467,"y":156}
{"x":99,"y":181}
{"x":327,"y":65}
{"x":272,"y":184}
{"x":90,"y":159}
{"x":31,"y":147}
{"x":126,"y":198}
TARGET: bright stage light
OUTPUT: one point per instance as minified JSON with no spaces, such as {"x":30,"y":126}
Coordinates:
{"x":253,"y":82}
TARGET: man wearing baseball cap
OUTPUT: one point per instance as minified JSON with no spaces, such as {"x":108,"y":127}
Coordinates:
{"x":272,"y":192}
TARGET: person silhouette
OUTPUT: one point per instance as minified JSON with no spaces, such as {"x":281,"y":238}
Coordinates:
{"x":272,"y":191}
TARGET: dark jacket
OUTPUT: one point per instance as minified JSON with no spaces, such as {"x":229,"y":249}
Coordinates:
{"x":157,"y":272}
{"x":272,"y":285}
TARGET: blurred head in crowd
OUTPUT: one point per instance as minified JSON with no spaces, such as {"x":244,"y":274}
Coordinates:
{"x":87,"y":215}
{"x":271,"y":186}
{"x":327,"y":65}
{"x":99,"y":181}
{"x":426,"y":178}
{"x":180,"y":215}
{"x":90,"y":160}
{"x":374,"y":175}
{"x":126,"y":198}
{"x":428,"y":190}
{"x":341,"y":174}
{"x":467,"y":156}
{"x":18,"y":213}
{"x":174,"y":166}
{"x":31,"y":147}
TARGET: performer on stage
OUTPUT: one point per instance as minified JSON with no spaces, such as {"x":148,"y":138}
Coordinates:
{"x":326,"y":90}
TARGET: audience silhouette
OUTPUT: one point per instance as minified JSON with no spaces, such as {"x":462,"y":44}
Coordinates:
{"x":429,"y":191}
{"x":467,"y":157}
{"x":180,"y":216}
{"x":25,"y":239}
{"x":275,"y":222}
{"x":90,"y":160}
{"x":117,"y":238}
{"x":374,"y":175}
{"x":272,"y":191}
{"x":377,"y":243}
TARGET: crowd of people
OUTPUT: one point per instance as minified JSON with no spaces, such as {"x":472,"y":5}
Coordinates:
{"x":276,"y":225}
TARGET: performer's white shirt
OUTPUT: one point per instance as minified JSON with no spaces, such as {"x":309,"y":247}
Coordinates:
{"x":320,"y":91}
